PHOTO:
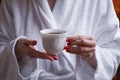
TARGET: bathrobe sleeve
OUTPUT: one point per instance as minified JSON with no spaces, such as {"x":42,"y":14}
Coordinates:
{"x":107,"y":36}
{"x":10,"y":69}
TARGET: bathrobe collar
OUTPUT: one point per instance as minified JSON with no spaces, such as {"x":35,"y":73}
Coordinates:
{"x":53,"y":19}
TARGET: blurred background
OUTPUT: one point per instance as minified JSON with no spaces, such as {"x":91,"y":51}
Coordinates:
{"x":117,"y":9}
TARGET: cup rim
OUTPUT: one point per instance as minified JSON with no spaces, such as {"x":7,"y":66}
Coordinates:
{"x":45,"y":33}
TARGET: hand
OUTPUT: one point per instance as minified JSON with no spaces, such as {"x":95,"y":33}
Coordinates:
{"x":26,"y":47}
{"x":84,"y":46}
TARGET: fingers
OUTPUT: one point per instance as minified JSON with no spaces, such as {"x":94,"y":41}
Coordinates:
{"x":79,"y":50}
{"x":48,"y":56}
{"x":37,"y":54}
{"x":79,"y":37}
{"x":81,"y":41}
{"x":81,"y":45}
{"x":33,"y":53}
{"x":84,"y":52}
{"x":29,"y":50}
{"x":29,"y":41}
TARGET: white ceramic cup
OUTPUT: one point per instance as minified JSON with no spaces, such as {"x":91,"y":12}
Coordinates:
{"x":53,"y":40}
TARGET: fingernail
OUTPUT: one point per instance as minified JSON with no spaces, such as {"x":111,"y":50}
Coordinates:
{"x":67,"y":48}
{"x":68,"y":40}
{"x":55,"y":58}
{"x":50,"y":59}
{"x":34,"y":42}
{"x":68,"y":43}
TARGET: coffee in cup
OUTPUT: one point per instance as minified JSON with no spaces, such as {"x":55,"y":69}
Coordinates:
{"x":53,"y":40}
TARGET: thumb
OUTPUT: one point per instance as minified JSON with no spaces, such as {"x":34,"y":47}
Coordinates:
{"x":30,"y":42}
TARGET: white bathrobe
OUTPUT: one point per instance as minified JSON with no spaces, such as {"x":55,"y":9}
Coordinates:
{"x":25,"y":18}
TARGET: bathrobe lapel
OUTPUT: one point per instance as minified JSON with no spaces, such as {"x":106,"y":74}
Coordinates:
{"x":45,"y":14}
{"x":57,"y":17}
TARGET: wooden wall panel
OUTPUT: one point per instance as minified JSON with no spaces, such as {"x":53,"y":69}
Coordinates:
{"x":117,"y":7}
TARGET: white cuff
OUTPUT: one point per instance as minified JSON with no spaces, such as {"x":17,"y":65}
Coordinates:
{"x":27,"y":64}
